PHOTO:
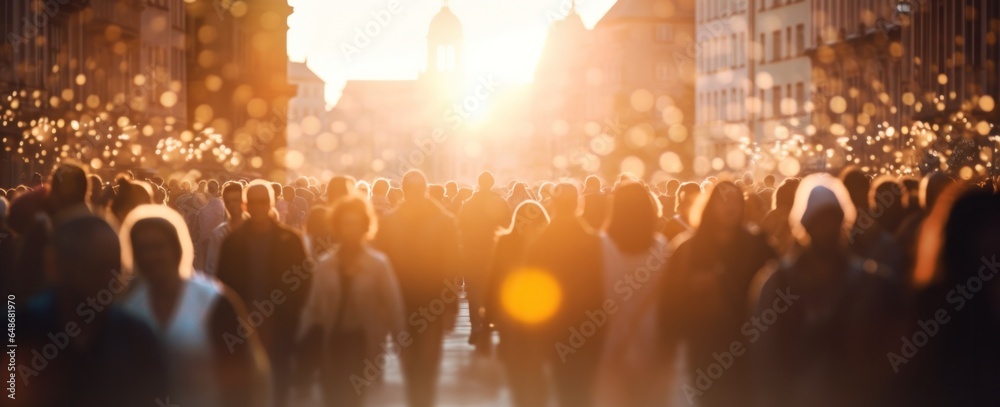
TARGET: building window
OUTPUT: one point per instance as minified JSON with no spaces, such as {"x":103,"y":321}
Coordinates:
{"x":662,"y":71}
{"x":800,"y":39}
{"x":800,"y":97}
{"x":763,"y":48}
{"x":664,"y":32}
{"x":788,"y":106}
{"x":776,"y":101}
{"x":776,"y":48}
{"x":788,"y":43}
{"x":725,"y":106}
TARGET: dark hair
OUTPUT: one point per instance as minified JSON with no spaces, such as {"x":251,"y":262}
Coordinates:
{"x":160,"y":225}
{"x":784,"y":197}
{"x":632,"y":220}
{"x":232,"y":187}
{"x":353,"y":204}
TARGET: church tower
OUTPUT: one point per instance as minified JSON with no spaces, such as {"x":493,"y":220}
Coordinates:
{"x":444,"y":45}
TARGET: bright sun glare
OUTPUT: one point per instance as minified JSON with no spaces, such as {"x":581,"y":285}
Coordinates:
{"x":530,"y":295}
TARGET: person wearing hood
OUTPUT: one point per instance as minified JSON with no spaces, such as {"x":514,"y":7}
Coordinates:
{"x":824,"y":317}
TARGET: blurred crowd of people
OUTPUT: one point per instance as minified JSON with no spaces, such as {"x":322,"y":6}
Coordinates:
{"x":827,"y":290}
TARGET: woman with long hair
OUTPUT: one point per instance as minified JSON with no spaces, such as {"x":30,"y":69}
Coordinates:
{"x":209,"y":362}
{"x":704,"y":292}
{"x":523,"y":361}
{"x":633,"y":369}
{"x":355,"y":301}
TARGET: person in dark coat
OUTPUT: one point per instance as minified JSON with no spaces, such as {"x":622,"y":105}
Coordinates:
{"x":570,"y":252}
{"x":76,"y":347}
{"x":704,"y":292}
{"x":479,"y":221}
{"x":421,"y":240}
{"x":828,"y":313}
{"x":957,"y":304}
{"x":265,"y":263}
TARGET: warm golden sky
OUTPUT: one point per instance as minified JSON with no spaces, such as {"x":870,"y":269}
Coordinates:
{"x":502,"y":37}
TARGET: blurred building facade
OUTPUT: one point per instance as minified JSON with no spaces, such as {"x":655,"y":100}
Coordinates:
{"x":63,"y":62}
{"x":237,"y":79}
{"x":309,"y":133}
{"x":618,"y":98}
{"x":754,"y":77}
{"x":387,"y":127}
{"x":885,"y":71}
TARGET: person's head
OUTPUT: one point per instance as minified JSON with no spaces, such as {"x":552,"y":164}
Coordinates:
{"x":450,"y":189}
{"x":232,"y":199}
{"x":822,"y":212}
{"x":96,"y":187}
{"x":86,"y":259}
{"x":671,"y":188}
{"x":719,"y":209}
{"x":414,"y":185}
{"x":784,"y":197}
{"x":159,"y":195}
{"x":530,"y":219}
{"x":130,"y":195}
{"x":592,"y":185}
{"x":769,"y":181}
{"x":565,"y":199}
{"x":202,"y":186}
{"x":687,"y":194}
{"x":277,"y":188}
{"x":857,"y":184}
{"x":362,"y":189}
{"x":156,"y":244}
{"x":213,"y":187}
{"x":486,"y":181}
{"x":632,"y":222}
{"x":748,"y":180}
{"x":889,"y":197}
{"x":380,"y":188}
{"x":339,"y":187}
{"x":258,"y":198}
{"x":69,"y":185}
{"x":959,"y":240}
{"x":288,"y":193}
{"x":353,"y":220}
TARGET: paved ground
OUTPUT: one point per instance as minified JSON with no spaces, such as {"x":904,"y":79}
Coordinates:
{"x":467,"y":379}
